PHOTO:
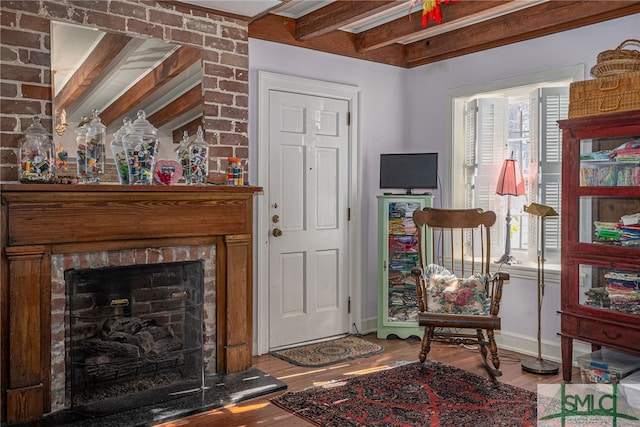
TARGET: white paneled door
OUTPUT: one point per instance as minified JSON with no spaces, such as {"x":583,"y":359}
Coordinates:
{"x":308,"y":203}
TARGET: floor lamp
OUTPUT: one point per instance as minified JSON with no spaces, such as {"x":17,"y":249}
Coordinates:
{"x":540,"y":366}
{"x":510,"y":183}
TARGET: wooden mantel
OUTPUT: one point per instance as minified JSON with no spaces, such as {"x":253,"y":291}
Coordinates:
{"x":39,"y":220}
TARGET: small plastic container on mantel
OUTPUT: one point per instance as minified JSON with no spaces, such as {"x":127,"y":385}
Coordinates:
{"x":91,"y":150}
{"x":235,"y":171}
{"x":141,"y":146}
{"x":36,"y":155}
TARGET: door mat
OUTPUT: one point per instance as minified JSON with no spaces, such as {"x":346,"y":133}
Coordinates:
{"x":329,"y":352}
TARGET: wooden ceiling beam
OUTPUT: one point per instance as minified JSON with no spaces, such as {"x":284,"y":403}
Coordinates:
{"x":104,"y":53}
{"x":401,"y":29}
{"x":536,"y":21}
{"x":338,"y":14}
{"x":191,"y":128}
{"x":184,"y":103}
{"x":181,"y":59}
{"x":281,"y":29}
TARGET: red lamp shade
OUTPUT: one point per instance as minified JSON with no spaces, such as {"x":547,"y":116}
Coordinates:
{"x":510,"y":181}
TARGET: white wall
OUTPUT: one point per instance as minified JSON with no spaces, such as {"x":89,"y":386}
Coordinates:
{"x":382,"y":125}
{"x":409,"y":110}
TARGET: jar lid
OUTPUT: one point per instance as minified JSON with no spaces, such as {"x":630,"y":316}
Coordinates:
{"x":82,"y":127}
{"x":200,"y":137}
{"x":126,"y":123}
{"x":95,"y":120}
{"x":141,"y":125}
{"x":35,"y":129}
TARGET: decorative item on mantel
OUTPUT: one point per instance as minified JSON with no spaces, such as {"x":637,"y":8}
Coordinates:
{"x":36,"y":154}
{"x":235,"y":171}
{"x":199,"y":159}
{"x":141,"y":146}
{"x":117,"y":150}
{"x":182,"y":153}
{"x":91,"y":150}
{"x":167,"y":172}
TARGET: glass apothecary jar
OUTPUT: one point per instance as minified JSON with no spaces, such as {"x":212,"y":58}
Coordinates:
{"x":140,"y":147}
{"x":199,"y":159}
{"x":91,"y":150}
{"x":117,"y":150}
{"x":182,"y":153}
{"x":36,"y":154}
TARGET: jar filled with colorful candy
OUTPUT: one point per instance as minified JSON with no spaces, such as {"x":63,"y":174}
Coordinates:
{"x":141,"y":146}
{"x":117,"y":150}
{"x":91,"y":150}
{"x":182,"y":154}
{"x":36,"y":154}
{"x":199,"y":159}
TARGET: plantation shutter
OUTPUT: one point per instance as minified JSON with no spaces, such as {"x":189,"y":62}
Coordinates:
{"x":547,"y":106}
{"x":470,"y":115}
{"x":486,"y":144}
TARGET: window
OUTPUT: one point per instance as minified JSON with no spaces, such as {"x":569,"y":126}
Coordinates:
{"x":520,"y":123}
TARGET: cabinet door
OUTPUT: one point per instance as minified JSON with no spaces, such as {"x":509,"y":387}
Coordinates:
{"x":398,"y":240}
{"x":604,"y":236}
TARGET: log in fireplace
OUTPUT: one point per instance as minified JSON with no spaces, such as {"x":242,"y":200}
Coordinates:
{"x":41,"y":221}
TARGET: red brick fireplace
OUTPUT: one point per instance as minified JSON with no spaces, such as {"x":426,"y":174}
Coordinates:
{"x":42,"y":222}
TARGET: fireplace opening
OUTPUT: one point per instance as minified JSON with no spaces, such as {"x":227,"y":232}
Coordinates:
{"x":135,"y":334}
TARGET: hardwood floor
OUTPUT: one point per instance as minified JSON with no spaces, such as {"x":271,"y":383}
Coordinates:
{"x":261,"y":412}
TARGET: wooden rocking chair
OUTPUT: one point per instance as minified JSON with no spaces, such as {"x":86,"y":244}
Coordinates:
{"x":456,"y":293}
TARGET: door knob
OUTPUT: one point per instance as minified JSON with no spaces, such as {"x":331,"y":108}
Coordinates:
{"x":276,"y":232}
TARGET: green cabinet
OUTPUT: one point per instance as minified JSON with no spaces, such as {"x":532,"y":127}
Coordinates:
{"x":398,"y":254}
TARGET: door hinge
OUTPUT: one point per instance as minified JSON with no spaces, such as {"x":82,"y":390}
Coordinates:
{"x":349,"y":305}
{"x":348,"y":214}
{"x":349,"y":118}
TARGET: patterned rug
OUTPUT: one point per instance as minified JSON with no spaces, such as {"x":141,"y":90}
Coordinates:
{"x":412,"y":395}
{"x":329,"y":352}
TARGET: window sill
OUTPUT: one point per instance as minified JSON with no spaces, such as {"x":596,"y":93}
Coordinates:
{"x":529,"y":271}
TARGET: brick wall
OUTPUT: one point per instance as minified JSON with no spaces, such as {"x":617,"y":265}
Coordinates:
{"x":25,"y":75}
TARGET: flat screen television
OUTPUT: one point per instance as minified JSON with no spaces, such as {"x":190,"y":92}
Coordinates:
{"x":409,"y":171}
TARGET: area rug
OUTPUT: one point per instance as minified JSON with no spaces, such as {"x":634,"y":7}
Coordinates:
{"x":329,"y":352}
{"x":413,"y":395}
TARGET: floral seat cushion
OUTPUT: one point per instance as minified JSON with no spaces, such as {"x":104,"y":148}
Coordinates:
{"x":448,"y":294}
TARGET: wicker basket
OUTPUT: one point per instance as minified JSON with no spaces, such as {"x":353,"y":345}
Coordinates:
{"x":617,"y":61}
{"x":605,"y":95}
